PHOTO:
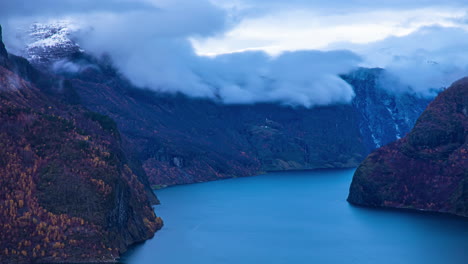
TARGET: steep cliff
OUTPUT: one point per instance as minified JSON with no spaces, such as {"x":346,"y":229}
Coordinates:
{"x":427,"y":169}
{"x":384,"y":116}
{"x":67,"y":190}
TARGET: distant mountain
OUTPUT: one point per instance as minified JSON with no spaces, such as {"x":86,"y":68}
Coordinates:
{"x":183,"y":140}
{"x":68,"y":191}
{"x":426,"y":170}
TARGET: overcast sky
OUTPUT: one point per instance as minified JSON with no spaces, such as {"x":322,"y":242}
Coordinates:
{"x":275,"y":26}
{"x":245,"y":51}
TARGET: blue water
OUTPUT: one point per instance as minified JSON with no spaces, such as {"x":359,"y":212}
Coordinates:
{"x":294,"y":217}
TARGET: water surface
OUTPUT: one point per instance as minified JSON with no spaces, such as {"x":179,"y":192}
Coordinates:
{"x":292,"y":218}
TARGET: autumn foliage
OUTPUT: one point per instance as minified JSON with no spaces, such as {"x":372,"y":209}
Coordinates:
{"x":426,"y":170}
{"x":66,"y":190}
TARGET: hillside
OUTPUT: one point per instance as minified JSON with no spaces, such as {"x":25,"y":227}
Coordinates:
{"x":67,"y":190}
{"x":426,"y":170}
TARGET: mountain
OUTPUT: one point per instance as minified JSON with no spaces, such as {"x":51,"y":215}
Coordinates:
{"x":383,"y":116}
{"x":48,"y":43}
{"x":184,"y":140}
{"x":427,"y":169}
{"x":68,"y":191}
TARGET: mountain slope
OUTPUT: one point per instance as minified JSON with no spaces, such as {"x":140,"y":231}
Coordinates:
{"x":67,"y":192}
{"x":183,"y":140}
{"x":427,"y":169}
{"x":383,"y":116}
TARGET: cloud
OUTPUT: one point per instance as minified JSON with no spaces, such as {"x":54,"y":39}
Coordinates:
{"x":267,"y":51}
{"x":336,"y":5}
{"x":151,"y":47}
{"x":305,"y":78}
{"x":308,"y":28}
{"x":65,"y":66}
{"x":167,"y":62}
{"x":51,"y":8}
{"x":422,"y":62}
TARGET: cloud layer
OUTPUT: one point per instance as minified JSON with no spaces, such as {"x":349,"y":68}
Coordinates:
{"x":152,"y":43}
{"x":163,"y":59}
{"x":422,"y":62}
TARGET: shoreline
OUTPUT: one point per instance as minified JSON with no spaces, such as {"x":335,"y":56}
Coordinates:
{"x":157,"y":187}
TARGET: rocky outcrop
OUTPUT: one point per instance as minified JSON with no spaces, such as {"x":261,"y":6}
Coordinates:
{"x":68,"y":192}
{"x":426,"y":170}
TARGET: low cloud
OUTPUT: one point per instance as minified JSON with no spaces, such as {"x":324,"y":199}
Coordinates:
{"x":65,"y":66}
{"x":422,"y":62}
{"x":304,"y":77}
{"x":167,"y":62}
{"x":150,"y":41}
{"x":152,"y":49}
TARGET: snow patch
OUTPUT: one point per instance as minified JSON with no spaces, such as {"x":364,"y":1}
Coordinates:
{"x":51,"y":34}
{"x":50,"y":42}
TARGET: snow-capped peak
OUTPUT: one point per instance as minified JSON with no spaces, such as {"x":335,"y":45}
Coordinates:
{"x":49,"y":35}
{"x":49,"y":42}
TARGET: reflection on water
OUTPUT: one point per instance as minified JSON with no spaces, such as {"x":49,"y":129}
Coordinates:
{"x":294,"y":217}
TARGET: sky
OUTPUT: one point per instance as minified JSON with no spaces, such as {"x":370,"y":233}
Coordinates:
{"x":249,"y":51}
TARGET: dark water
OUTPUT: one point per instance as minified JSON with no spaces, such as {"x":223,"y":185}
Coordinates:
{"x":298,"y":217}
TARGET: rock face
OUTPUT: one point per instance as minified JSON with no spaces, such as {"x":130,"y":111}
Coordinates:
{"x":184,"y":140}
{"x":427,"y":169}
{"x":68,"y":192}
{"x":383,"y":116}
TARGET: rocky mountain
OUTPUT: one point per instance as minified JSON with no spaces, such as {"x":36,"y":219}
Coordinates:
{"x":183,"y":140}
{"x":68,"y":191}
{"x":383,"y":116}
{"x":427,"y":169}
{"x":49,"y":43}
